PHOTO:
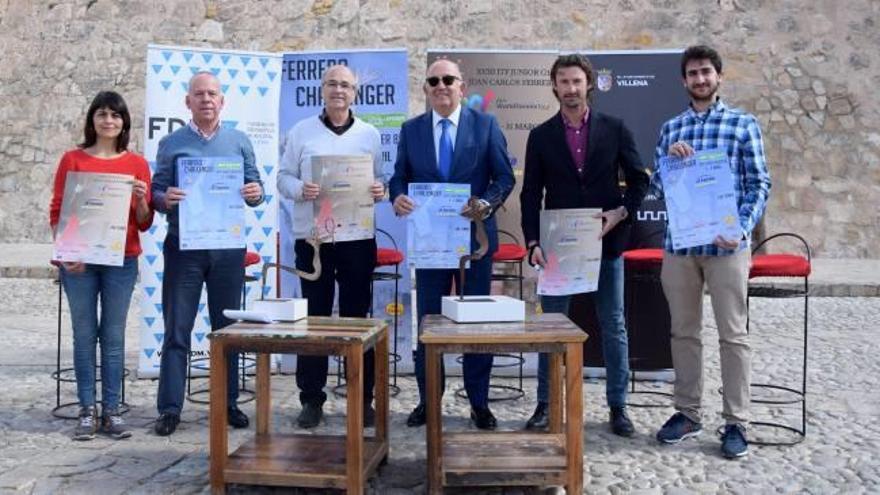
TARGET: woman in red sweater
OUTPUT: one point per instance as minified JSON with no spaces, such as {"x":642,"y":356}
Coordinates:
{"x":105,"y":150}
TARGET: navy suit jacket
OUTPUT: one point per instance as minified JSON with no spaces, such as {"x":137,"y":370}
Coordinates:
{"x":479,"y":158}
{"x":550,"y":175}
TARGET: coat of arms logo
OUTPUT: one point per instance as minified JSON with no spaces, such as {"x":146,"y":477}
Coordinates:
{"x":604,"y":81}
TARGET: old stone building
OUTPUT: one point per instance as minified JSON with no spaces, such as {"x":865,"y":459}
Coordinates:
{"x":808,"y":69}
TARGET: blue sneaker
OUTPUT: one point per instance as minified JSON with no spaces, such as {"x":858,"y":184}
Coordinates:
{"x":733,"y":442}
{"x":677,"y":428}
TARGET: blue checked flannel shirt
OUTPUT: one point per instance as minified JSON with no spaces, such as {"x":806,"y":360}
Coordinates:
{"x":737,"y":132}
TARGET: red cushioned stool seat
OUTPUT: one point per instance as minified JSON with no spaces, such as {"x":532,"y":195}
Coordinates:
{"x":643,"y":258}
{"x":388,"y":257}
{"x":779,"y":265}
{"x":509,"y":252}
{"x":251,"y":258}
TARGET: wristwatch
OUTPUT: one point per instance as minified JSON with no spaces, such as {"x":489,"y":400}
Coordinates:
{"x":487,"y":207}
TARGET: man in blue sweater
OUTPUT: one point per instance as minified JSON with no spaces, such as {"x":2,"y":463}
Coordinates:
{"x":186,"y":271}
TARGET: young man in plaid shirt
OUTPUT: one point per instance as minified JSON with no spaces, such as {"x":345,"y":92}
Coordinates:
{"x":723,"y":265}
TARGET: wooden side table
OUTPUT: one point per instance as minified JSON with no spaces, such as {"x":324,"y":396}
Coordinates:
{"x":508,"y":458}
{"x":322,"y":461}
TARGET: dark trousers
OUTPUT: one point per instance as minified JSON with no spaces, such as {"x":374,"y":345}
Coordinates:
{"x":432,"y":285}
{"x":349,"y":264}
{"x":222,"y":272}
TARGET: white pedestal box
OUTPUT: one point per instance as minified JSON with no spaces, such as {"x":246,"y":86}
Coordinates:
{"x":483,"y":309}
{"x":282,"y":309}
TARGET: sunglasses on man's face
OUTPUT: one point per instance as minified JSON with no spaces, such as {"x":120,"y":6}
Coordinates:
{"x":448,"y":80}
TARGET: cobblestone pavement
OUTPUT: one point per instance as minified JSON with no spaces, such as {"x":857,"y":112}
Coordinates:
{"x":841,"y":453}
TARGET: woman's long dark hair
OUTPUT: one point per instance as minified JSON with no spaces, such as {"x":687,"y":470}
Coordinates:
{"x":115,"y":102}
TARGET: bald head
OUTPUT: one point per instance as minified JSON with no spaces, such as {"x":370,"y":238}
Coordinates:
{"x":339,"y":72}
{"x":338,"y":89}
{"x":444,"y":66}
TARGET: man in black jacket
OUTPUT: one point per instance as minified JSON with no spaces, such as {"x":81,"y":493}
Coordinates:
{"x":573,"y":160}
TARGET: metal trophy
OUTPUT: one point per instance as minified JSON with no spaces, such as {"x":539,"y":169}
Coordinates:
{"x":480,"y":309}
{"x":289,"y":309}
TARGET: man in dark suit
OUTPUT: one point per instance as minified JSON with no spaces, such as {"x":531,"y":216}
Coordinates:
{"x":574,"y":160}
{"x":454,"y":144}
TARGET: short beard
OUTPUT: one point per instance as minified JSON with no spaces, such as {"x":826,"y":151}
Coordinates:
{"x":566,"y":102}
{"x":701,"y":99}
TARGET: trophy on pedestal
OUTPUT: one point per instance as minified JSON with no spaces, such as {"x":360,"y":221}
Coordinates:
{"x":480,"y":309}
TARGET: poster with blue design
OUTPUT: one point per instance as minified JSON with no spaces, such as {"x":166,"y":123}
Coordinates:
{"x":382,"y":100}
{"x":700,"y":198}
{"x":212,"y":213}
{"x":437,"y":235}
{"x":250,"y":82}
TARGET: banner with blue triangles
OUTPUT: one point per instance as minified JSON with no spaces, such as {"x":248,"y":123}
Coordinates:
{"x":252,"y":92}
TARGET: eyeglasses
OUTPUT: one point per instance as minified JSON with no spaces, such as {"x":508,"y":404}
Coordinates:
{"x":448,"y":80}
{"x":345,"y":85}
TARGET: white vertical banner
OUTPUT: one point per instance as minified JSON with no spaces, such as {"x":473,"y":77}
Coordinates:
{"x":250,"y":82}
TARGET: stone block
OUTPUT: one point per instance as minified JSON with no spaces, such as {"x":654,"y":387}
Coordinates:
{"x":802,"y":83}
{"x":789,"y":98}
{"x":847,"y":122}
{"x":808,"y":125}
{"x":209,"y":30}
{"x":840,"y":106}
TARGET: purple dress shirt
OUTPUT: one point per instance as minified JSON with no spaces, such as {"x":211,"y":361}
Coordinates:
{"x":578,"y":137}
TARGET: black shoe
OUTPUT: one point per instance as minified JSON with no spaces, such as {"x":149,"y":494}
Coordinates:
{"x":166,"y":423}
{"x":620,"y":423}
{"x":369,"y":416}
{"x":310,"y":415}
{"x":236,"y":418}
{"x":417,"y":417}
{"x":483,"y":418}
{"x":540,"y":420}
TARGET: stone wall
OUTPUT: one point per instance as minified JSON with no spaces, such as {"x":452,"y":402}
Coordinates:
{"x":808,"y":69}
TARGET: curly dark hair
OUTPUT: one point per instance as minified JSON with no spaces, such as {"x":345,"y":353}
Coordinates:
{"x":700,"y":52}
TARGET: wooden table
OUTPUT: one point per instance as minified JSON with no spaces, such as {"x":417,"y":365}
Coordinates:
{"x":322,"y":461}
{"x":508,"y":458}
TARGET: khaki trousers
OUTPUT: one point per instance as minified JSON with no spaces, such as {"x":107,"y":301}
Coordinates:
{"x":727,"y":279}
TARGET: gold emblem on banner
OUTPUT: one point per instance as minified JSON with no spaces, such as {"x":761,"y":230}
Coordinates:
{"x":392,"y":309}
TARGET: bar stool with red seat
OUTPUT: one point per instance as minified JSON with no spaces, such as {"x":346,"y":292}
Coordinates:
{"x":70,"y":410}
{"x":782,"y":265}
{"x":385,"y":257}
{"x":508,"y":253}
{"x":250,"y":259}
{"x":647,"y":318}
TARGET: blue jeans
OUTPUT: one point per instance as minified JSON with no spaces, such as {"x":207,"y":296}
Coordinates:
{"x":114,"y":285}
{"x":221,"y":271}
{"x":608,"y":300}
